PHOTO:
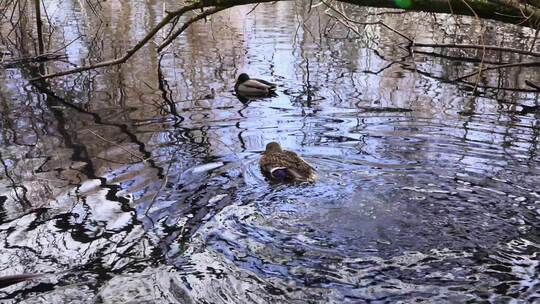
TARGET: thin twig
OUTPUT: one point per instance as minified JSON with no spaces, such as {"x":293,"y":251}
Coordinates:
{"x":256,"y":5}
{"x":179,"y":31}
{"x":132,"y":50}
{"x":163,"y":183}
{"x":532,"y":84}
{"x":39,"y":58}
{"x":43,"y":57}
{"x":475,"y":46}
{"x":509,"y":65}
{"x":66,"y":45}
{"x":364,"y":23}
{"x":481,"y":66}
{"x":119,"y":146}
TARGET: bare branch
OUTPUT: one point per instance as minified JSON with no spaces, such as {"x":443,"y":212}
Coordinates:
{"x":518,"y":11}
{"x":129,"y":52}
{"x":475,"y":46}
{"x":177,"y":33}
{"x":532,"y":84}
{"x":362,"y":23}
{"x":502,"y":66}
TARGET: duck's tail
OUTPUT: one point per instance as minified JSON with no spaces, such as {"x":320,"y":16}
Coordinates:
{"x":281,"y":173}
{"x":288,"y":174}
{"x":272,"y":86}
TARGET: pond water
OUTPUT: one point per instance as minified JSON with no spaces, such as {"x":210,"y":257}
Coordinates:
{"x":134,"y":184}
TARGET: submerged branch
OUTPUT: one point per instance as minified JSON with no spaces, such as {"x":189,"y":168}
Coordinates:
{"x":502,"y":66}
{"x":40,"y":58}
{"x":475,"y":46}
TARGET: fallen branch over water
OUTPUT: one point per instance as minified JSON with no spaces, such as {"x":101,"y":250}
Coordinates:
{"x":177,"y":33}
{"x":501,"y":66}
{"x":39,"y":58}
{"x":170,"y":16}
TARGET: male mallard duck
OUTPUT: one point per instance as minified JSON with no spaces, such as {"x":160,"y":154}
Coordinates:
{"x":252,"y":87}
{"x":282,"y":165}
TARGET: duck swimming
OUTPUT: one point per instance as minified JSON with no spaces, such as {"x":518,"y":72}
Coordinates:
{"x":282,"y":165}
{"x":252,"y":87}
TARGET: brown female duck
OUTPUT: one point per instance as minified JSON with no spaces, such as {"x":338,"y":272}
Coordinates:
{"x":282,"y":165}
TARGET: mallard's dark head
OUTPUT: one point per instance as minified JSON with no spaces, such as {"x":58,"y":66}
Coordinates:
{"x":273,"y":147}
{"x":242,"y":78}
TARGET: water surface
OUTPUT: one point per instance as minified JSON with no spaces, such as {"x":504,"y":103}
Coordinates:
{"x":132,"y":184}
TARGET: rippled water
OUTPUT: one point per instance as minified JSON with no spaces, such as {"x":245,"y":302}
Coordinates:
{"x":132,"y":184}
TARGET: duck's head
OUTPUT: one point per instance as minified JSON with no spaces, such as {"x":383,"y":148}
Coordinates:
{"x":273,"y":147}
{"x":242,"y":78}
